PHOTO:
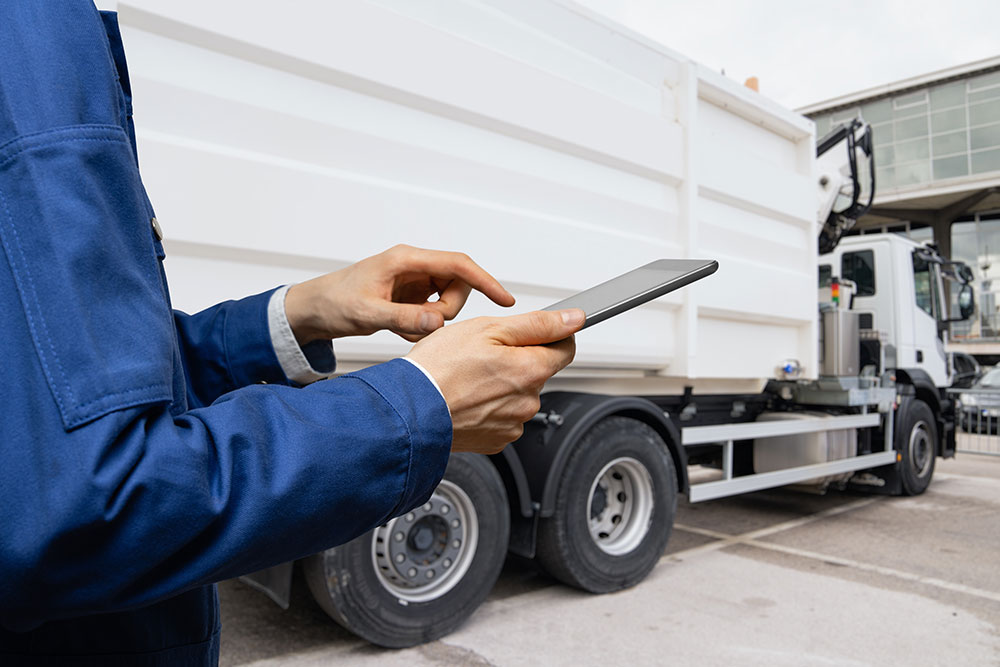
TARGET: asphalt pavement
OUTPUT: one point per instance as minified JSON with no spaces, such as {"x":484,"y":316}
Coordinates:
{"x":772,"y":578}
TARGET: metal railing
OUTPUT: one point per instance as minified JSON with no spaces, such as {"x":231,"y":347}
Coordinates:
{"x":978,"y":420}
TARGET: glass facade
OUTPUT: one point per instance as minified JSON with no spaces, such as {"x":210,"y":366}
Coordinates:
{"x":977,"y":243}
{"x":911,"y":230}
{"x":948,"y":130}
{"x":975,"y":240}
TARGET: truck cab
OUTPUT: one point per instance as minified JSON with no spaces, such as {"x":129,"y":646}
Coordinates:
{"x":902,"y":293}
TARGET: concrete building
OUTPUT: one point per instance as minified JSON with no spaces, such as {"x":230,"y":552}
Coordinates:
{"x":937,"y":169}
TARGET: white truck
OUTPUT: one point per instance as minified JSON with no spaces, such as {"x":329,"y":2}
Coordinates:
{"x":558,"y":149}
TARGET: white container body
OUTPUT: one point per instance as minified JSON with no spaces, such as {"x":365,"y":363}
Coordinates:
{"x":278,"y":142}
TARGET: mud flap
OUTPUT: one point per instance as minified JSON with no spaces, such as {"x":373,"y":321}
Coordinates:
{"x":274,"y":582}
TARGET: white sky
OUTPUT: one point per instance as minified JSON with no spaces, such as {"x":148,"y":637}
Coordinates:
{"x":805,"y":51}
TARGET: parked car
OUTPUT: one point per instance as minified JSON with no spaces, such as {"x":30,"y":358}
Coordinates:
{"x":980,"y":404}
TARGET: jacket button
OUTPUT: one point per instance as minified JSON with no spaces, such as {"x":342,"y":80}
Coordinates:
{"x":156,"y":229}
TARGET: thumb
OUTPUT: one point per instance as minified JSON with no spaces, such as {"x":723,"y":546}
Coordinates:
{"x":410,"y":319}
{"x":540,"y":327}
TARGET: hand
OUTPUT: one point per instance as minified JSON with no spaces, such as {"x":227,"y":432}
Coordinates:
{"x":389,"y":291}
{"x":491,"y":370}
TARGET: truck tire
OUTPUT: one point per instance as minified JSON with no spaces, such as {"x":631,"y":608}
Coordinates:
{"x":419,"y":576}
{"x":614,"y":509}
{"x":917,"y":444}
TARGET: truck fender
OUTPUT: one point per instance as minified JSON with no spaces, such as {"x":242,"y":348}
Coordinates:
{"x":942,"y":407}
{"x":508,"y":464}
{"x":275,"y":582}
{"x":923,"y":385}
{"x":567,"y":416}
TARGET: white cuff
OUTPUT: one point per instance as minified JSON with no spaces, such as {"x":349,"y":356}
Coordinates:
{"x":290,"y":355}
{"x":429,"y":377}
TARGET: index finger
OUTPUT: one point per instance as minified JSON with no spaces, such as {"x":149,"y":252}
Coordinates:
{"x":457,"y":265}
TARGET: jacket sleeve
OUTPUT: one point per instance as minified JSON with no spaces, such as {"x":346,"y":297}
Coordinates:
{"x":226,"y":347}
{"x":233,"y":344}
{"x":111,"y":495}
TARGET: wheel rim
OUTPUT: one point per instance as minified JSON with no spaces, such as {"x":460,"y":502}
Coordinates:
{"x":921,"y":448}
{"x":423,"y":554}
{"x":620,"y":506}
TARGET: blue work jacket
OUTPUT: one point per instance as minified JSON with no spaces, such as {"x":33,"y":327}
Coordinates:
{"x":142,"y":458}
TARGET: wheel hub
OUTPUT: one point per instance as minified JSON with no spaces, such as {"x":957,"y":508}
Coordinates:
{"x":424,"y":534}
{"x":599,"y":502}
{"x":620,"y":507}
{"x":921,"y":450}
{"x":421,"y":555}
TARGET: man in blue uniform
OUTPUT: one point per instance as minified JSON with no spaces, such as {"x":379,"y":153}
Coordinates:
{"x":148,"y":454}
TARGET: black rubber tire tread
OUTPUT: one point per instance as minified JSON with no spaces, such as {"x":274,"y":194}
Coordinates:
{"x":913,"y":411}
{"x":565,"y":547}
{"x":344,"y":583}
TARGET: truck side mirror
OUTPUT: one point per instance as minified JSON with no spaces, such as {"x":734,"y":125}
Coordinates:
{"x":966,"y":302}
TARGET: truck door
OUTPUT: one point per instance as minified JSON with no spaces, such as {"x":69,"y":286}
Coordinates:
{"x":928,"y":335}
{"x":875,"y":294}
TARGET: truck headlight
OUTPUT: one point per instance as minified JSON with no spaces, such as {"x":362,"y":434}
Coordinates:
{"x":968,"y":399}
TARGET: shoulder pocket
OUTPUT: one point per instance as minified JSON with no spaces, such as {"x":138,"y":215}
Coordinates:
{"x":75,"y":230}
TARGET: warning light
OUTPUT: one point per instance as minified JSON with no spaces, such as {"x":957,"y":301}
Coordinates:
{"x":835,"y":292}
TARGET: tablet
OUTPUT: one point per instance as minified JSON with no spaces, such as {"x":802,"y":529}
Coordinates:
{"x":636,"y":287}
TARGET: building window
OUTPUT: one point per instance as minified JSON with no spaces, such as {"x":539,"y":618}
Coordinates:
{"x":976,"y":242}
{"x":945,"y":131}
{"x":921,"y":234}
{"x":911,"y":101}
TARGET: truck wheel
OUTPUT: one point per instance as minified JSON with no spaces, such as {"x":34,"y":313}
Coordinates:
{"x":420,"y":575}
{"x":615,"y":507}
{"x":917,"y":443}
